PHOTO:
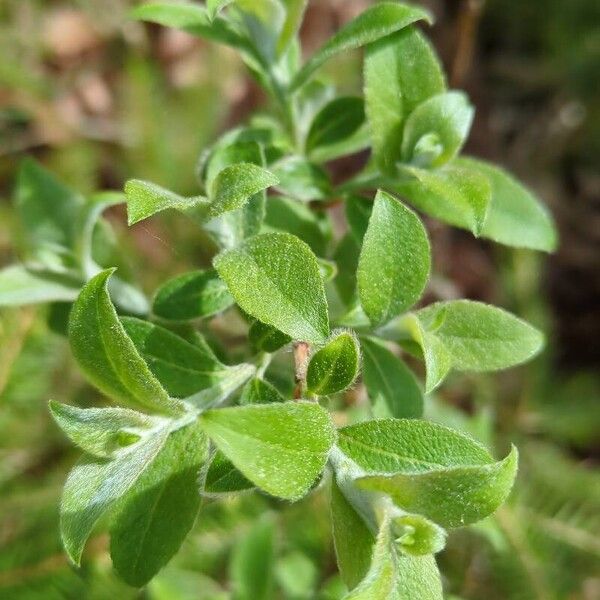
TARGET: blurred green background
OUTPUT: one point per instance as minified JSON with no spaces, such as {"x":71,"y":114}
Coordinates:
{"x":99,"y":99}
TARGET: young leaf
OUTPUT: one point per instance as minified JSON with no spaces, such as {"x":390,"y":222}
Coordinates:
{"x":259,"y":391}
{"x":281,"y":448}
{"x":294,"y":11}
{"x":516,"y":217}
{"x":94,"y":486}
{"x":451,"y":497}
{"x":417,"y":536}
{"x":235,"y":185}
{"x":436,"y":130}
{"x":223,"y":478}
{"x":266,"y":338}
{"x":394,"y":261}
{"x":101,"y":432}
{"x":376,"y":22}
{"x":335,"y":366}
{"x":352,"y":539}
{"x":160,"y":509}
{"x":302,"y":179}
{"x":145,"y":199}
{"x":480,"y":337}
{"x":335,"y":122}
{"x":107,"y":355}
{"x":275,"y":278}
{"x":391,"y":385}
{"x":194,"y":295}
{"x":21,"y":285}
{"x":401,"y":71}
{"x":213,"y":7}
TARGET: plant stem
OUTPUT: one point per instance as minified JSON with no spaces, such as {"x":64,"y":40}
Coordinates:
{"x":301,"y":350}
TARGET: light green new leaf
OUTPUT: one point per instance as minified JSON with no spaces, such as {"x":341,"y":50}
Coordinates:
{"x":95,"y":485}
{"x":392,"y":387}
{"x":193,"y":295}
{"x":480,"y":337}
{"x":259,"y":391}
{"x":235,"y":185}
{"x":145,"y":199}
{"x":213,"y":7}
{"x":437,"y":129}
{"x":160,"y":509}
{"x":400,"y":72}
{"x":394,"y":262}
{"x":353,"y":540}
{"x":302,"y":179}
{"x":335,"y":122}
{"x":415,"y":535}
{"x":107,"y":355}
{"x":222,"y":478}
{"x":334,"y":367}
{"x":376,"y":22}
{"x":451,"y":497}
{"x":294,"y":11}
{"x":20,"y":285}
{"x":458,"y":196}
{"x":275,"y":278}
{"x":516,"y":217}
{"x":281,"y":447}
{"x":265,"y":338}
{"x":101,"y":432}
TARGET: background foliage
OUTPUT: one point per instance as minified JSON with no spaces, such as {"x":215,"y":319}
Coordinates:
{"x":100,"y":99}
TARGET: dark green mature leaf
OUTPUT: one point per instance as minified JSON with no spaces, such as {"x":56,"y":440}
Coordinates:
{"x":394,"y":261}
{"x":335,"y":366}
{"x":516,"y":217}
{"x":401,"y":71}
{"x":223,"y":478}
{"x":145,"y":199}
{"x":358,"y":213}
{"x":352,"y":539}
{"x":266,"y":338}
{"x":346,"y":256}
{"x":335,"y":122}
{"x":280,"y":447}
{"x":376,"y":22}
{"x":458,"y":196}
{"x":160,"y":509}
{"x":252,"y":561}
{"x":302,"y":179}
{"x":95,"y":485}
{"x":101,"y":432}
{"x":21,"y":285}
{"x":259,"y":391}
{"x":392,"y":387}
{"x":436,"y":130}
{"x":107,"y":355}
{"x":275,"y":278}
{"x":192,"y":295}
{"x":235,"y":185}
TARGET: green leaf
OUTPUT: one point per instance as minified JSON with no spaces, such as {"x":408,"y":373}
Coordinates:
{"x":294,"y":11}
{"x":193,"y":295}
{"x":213,"y":7}
{"x":480,"y":337}
{"x":235,"y":185}
{"x":183,"y":368}
{"x":451,"y":497}
{"x":95,"y":485}
{"x":275,"y":278}
{"x":346,"y":256}
{"x":252,"y":561}
{"x":223,"y":478}
{"x":418,"y":577}
{"x":401,"y":71}
{"x":20,"y":285}
{"x":458,"y":196}
{"x":374,"y":23}
{"x":358,"y":213}
{"x":259,"y":391}
{"x":437,"y":129}
{"x":228,"y":153}
{"x":160,"y":509}
{"x":302,"y":179}
{"x":335,"y":122}
{"x":282,"y":448}
{"x":101,"y":432}
{"x":107,"y":355}
{"x":265,"y":338}
{"x":335,"y":366}
{"x":145,"y":199}
{"x":394,"y":261}
{"x":391,"y":385}
{"x":516,"y":217}
{"x":352,"y":539}
{"x":415,"y":535}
